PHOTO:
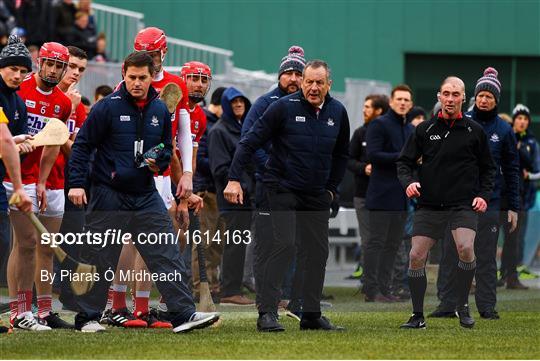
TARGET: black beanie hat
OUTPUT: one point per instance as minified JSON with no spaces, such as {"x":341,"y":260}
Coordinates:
{"x":294,"y":60}
{"x":521,"y":109}
{"x":489,"y":82}
{"x":414,"y":112}
{"x":15,"y":53}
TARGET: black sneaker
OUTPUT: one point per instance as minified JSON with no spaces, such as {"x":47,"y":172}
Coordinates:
{"x":416,"y":321}
{"x":465,"y":319}
{"x":442,"y":312}
{"x":152,"y":319}
{"x":124,"y":318}
{"x":269,"y":323}
{"x":53,"y":320}
{"x":490,"y":315}
{"x":321,"y":323}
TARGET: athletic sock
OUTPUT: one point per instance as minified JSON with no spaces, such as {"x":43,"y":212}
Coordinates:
{"x":417,"y":285}
{"x":24,"y":301}
{"x":465,"y":275}
{"x":119,"y":297}
{"x":13,"y":308}
{"x":44,"y":305}
{"x":108,"y":306}
{"x":162,"y":304}
{"x":141,"y":302}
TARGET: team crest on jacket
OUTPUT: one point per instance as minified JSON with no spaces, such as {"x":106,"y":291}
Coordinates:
{"x":155,"y":121}
{"x":57,"y":108}
{"x":16,"y":115}
{"x":196,"y":125}
{"x":330,"y":122}
{"x":494,"y":138}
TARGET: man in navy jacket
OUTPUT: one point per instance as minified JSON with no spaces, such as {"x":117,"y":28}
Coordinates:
{"x":121,"y":128}
{"x":309,"y":134}
{"x":289,"y":80}
{"x":385,"y":198}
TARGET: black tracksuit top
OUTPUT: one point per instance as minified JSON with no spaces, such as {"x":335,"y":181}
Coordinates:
{"x":456,"y":163}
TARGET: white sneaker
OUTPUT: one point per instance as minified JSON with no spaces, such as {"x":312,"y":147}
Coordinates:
{"x":92,"y":326}
{"x":198,"y":320}
{"x":28,"y":322}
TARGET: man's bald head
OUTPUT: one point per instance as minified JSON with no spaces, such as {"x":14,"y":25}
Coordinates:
{"x":454,"y":80}
{"x":451,"y":96}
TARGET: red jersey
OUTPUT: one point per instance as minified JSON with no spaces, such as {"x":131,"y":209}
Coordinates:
{"x":184,"y":102}
{"x":198,"y":124}
{"x":41,"y":106}
{"x":77,"y":119}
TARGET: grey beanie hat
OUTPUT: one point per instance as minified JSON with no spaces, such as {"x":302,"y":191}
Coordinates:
{"x":15,"y":53}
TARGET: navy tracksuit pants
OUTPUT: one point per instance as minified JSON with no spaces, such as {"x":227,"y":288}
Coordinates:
{"x":134,"y":213}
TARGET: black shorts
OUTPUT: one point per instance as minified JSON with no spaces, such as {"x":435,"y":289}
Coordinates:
{"x":433,"y":222}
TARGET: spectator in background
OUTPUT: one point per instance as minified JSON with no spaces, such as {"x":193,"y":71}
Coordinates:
{"x":513,"y":242}
{"x":4,"y":34}
{"x":34,"y":52}
{"x":83,"y":36}
{"x":385,"y":198}
{"x":374,"y":105}
{"x":222,"y":142}
{"x":101,"y":49}
{"x":64,"y":21}
{"x":7,"y":19}
{"x":85,"y":6}
{"x":86,"y":103}
{"x":416,"y":116}
{"x":203,"y":185}
{"x":399,"y":284}
{"x":101,"y":92}
{"x":35,"y":17}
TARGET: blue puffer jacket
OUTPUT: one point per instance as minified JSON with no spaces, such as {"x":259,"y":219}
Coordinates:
{"x":308,"y":153}
{"x":502,"y":144}
{"x":257,"y":110}
{"x":111,"y":129}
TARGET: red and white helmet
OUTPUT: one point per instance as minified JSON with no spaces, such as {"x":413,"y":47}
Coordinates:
{"x":150,"y":39}
{"x":196,"y":68}
{"x":57,"y":53}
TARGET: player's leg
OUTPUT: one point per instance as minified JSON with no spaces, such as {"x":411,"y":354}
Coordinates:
{"x":52,"y":220}
{"x":464,"y":238}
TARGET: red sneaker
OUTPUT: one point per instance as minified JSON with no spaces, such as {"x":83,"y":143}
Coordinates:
{"x":124,"y":318}
{"x":152,"y":320}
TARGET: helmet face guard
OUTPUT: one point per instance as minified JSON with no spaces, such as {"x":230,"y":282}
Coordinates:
{"x":43,"y":69}
{"x":198,"y":69}
{"x":52,"y":56}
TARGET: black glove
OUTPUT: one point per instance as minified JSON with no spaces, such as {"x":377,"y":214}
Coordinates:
{"x":334,"y":206}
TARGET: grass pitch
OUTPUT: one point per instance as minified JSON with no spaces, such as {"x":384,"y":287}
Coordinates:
{"x":372,"y":333}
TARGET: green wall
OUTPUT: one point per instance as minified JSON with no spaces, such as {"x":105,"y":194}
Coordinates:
{"x":359,"y":39}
